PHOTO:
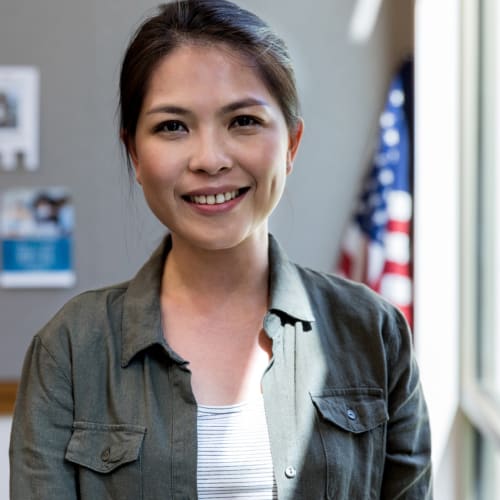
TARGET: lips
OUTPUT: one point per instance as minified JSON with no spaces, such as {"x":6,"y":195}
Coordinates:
{"x":215,"y":198}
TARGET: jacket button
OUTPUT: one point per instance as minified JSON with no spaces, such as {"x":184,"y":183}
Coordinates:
{"x":290,"y":472}
{"x":351,"y":414}
{"x":105,"y":455}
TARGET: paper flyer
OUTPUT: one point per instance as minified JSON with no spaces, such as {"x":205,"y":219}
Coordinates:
{"x":36,"y":235}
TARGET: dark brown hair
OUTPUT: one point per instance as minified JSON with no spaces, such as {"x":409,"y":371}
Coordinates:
{"x":204,"y":21}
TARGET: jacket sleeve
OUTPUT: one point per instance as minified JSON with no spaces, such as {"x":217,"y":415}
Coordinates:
{"x":407,"y":471}
{"x":41,"y":429}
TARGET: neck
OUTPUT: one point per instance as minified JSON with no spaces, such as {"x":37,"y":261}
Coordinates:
{"x":210,"y":275}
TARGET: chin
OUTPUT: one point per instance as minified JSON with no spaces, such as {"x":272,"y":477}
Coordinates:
{"x":217,"y":242}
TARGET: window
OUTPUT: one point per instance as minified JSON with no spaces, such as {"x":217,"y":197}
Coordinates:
{"x":489,"y":190}
{"x":480,"y":241}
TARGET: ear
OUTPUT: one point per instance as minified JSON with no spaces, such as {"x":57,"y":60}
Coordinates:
{"x":129,"y":145}
{"x":293,"y":144}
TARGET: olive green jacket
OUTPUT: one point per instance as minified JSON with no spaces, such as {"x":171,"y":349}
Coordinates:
{"x":105,"y":408}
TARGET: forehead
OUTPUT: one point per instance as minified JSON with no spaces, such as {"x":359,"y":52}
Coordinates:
{"x":206,"y":71}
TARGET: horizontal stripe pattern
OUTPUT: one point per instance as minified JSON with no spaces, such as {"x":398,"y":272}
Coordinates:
{"x":234,"y":455}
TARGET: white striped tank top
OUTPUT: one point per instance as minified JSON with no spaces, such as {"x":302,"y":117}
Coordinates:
{"x":234,"y":454}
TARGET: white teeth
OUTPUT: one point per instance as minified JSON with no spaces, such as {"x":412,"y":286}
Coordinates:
{"x":214,"y":199}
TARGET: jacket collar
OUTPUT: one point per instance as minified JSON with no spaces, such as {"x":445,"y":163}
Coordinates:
{"x":286,"y":288}
{"x":141,"y":317}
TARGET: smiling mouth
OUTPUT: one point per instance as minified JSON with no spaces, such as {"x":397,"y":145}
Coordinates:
{"x":216,"y":199}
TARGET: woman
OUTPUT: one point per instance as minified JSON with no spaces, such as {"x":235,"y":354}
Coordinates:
{"x":222,"y":370}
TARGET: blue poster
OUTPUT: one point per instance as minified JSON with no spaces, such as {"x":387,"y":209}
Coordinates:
{"x":36,"y":236}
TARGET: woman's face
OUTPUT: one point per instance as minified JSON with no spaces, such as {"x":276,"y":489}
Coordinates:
{"x":212,"y":149}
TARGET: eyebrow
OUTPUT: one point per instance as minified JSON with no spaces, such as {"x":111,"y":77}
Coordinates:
{"x":166,"y":108}
{"x":244,"y":103}
{"x":228,"y":108}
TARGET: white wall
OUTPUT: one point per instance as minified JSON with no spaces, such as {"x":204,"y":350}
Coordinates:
{"x":4,"y":458}
{"x":437,"y":272}
{"x":437,"y":174}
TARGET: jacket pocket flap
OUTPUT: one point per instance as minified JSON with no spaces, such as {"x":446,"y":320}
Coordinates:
{"x":354,"y":410}
{"x":103,"y":448}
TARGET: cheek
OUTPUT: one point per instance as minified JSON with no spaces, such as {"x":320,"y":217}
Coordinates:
{"x":271,"y":171}
{"x":154,"y":166}
{"x":269,"y":155}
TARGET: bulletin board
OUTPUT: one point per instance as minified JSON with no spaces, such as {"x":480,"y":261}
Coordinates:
{"x":8,"y":390}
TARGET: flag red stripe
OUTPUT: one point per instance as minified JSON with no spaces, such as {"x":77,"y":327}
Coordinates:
{"x":391,"y":267}
{"x":398,"y":226}
{"x":345,"y":264}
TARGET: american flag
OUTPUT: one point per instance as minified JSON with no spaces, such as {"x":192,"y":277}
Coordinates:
{"x":376,"y":249}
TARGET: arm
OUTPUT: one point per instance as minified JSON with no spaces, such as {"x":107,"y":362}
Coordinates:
{"x":407,"y":472}
{"x":41,"y":429}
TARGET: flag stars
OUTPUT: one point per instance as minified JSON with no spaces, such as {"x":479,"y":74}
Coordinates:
{"x":397,"y":97}
{"x":391,"y":137}
{"x":380,"y":160}
{"x":379,"y":217}
{"x":387,"y":119}
{"x":393,"y":156}
{"x":375,"y":200}
{"x":386,"y":177}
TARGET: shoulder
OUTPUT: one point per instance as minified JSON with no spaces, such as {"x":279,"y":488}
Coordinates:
{"x":99,"y":322}
{"x":350,"y":296}
{"x":99,"y":300}
{"x":351,"y":318}
{"x":83,"y":317}
{"x":352,"y":305}
{"x":92,"y":305}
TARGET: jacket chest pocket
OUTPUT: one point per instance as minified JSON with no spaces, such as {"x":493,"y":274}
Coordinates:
{"x":351,"y":424}
{"x":107,"y":460}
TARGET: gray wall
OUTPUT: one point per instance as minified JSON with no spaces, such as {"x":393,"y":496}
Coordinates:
{"x":77,"y":46}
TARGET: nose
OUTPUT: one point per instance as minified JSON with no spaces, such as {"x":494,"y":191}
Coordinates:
{"x":209,"y":154}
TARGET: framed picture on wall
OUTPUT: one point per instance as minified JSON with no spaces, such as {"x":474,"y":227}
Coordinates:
{"x":19,"y":117}
{"x":36,"y":235}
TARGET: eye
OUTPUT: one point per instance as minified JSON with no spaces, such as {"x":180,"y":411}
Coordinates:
{"x":245,"y":121}
{"x":170,"y":126}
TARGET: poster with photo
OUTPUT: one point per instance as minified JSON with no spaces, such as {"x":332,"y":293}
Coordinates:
{"x":36,"y":235}
{"x":19,"y":117}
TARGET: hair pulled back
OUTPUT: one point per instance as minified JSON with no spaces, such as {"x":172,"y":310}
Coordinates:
{"x":204,"y":21}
